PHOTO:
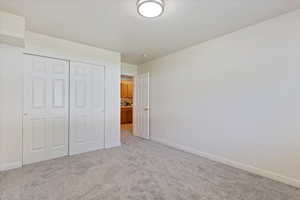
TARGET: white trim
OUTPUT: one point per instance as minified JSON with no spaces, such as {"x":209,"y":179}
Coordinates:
{"x":12,"y":165}
{"x":134,"y":106}
{"x":118,"y":144}
{"x":128,"y":74}
{"x":268,"y":174}
{"x":70,"y":58}
{"x":12,"y":40}
{"x":149,"y":107}
{"x":134,"y":76}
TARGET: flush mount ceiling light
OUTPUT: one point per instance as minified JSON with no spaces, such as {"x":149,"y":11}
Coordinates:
{"x":150,"y":8}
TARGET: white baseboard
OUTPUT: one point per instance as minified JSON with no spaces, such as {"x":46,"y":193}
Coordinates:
{"x":246,"y":167}
{"x":8,"y":166}
{"x":117,"y":144}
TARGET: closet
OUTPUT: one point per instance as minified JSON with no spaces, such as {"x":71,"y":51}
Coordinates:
{"x":64,"y":109}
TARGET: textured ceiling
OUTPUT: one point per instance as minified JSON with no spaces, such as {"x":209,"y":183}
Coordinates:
{"x":115,"y":24}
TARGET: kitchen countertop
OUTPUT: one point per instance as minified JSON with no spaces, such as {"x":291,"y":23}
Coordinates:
{"x":126,"y":106}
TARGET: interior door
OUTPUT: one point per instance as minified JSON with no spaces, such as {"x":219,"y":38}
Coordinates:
{"x":86,"y":108}
{"x":45,"y":121}
{"x":142,"y":106}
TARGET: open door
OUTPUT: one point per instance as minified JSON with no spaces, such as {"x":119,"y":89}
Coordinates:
{"x":142,"y":106}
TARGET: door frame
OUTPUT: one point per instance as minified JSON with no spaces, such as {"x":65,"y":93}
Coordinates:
{"x":134,"y":76}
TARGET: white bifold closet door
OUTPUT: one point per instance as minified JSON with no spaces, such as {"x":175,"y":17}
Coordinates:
{"x":45,"y":121}
{"x":86,"y":108}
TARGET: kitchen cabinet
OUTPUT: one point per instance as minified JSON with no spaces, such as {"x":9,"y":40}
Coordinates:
{"x":123,"y":116}
{"x":129,"y":115}
{"x":126,"y":115}
{"x":129,"y":90}
{"x":126,"y":89}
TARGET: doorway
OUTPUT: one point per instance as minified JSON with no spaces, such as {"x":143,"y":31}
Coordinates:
{"x":135,"y":106}
{"x":127,"y":105}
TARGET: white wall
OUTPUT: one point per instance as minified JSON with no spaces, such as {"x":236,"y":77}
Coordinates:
{"x":234,"y":99}
{"x":11,"y":104}
{"x":1,"y":114}
{"x":129,"y":69}
{"x":12,"y":29}
{"x":37,"y":43}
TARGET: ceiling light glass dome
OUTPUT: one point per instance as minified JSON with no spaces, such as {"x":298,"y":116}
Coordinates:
{"x":150,"y":8}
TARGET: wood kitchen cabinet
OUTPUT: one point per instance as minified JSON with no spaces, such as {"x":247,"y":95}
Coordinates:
{"x":123,"y":116}
{"x":126,"y":115}
{"x":129,"y":90}
{"x":129,"y":116}
{"x":126,"y":89}
{"x":127,"y":93}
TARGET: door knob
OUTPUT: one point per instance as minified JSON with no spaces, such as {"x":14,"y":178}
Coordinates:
{"x":146,"y":109}
{"x":25,"y":114}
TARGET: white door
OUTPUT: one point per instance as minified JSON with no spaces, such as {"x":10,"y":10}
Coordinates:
{"x":86,"y":108}
{"x":45,"y":121}
{"x":142,"y":106}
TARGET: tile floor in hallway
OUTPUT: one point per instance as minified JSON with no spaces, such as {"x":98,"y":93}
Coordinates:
{"x":138,"y":170}
{"x":127,"y":127}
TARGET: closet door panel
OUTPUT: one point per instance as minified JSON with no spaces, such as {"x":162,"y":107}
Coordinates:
{"x":87,"y":108}
{"x":45,"y":120}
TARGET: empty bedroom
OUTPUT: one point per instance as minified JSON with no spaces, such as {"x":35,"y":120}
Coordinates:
{"x":149,"y":99}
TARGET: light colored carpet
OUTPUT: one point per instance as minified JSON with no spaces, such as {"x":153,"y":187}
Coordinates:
{"x":139,"y":170}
